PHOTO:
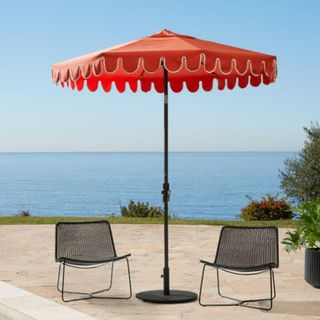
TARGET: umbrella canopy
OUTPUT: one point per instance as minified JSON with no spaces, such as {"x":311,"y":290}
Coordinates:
{"x":162,"y":59}
{"x":188,"y":60}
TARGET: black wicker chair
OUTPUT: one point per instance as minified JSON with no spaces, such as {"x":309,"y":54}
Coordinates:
{"x":86,"y":245}
{"x":245,"y":251}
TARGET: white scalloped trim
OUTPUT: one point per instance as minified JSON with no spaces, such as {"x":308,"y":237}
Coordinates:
{"x":162,"y":62}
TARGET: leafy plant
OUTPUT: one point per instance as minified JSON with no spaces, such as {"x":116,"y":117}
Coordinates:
{"x":140,"y":210}
{"x":308,"y":234}
{"x":300,"y":179}
{"x":268,"y":208}
{"x":24,"y":213}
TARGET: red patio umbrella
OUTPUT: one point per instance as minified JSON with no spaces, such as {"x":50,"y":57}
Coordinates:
{"x":158,"y":60}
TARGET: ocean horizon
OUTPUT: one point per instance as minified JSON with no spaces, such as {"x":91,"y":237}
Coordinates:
{"x":204,"y":185}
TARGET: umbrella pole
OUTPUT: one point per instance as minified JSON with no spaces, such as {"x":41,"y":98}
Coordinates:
{"x":166,"y":295}
{"x":166,"y":189}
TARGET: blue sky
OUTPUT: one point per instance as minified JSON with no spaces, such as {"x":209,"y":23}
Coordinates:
{"x":35,"y":115}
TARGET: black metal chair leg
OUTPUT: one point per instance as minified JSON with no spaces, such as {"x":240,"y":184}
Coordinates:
{"x":129,"y":277}
{"x":58,"y":280}
{"x":223,"y":296}
{"x":111,"y":277}
{"x":201,"y":284}
{"x":63,"y":292}
{"x":91,"y":295}
{"x":241,"y":303}
{"x":110,"y":283}
{"x":272,"y":296}
{"x":84,"y":293}
{"x":274,"y":286}
{"x":211,"y":304}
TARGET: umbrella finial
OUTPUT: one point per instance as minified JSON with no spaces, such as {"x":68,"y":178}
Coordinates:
{"x":168,"y":33}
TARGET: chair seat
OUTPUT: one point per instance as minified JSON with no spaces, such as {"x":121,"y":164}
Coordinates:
{"x":240,"y":269}
{"x":90,"y":263}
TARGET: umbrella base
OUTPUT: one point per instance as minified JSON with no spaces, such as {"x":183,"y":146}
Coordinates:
{"x":175,"y":296}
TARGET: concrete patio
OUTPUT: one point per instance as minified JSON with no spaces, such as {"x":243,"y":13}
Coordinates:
{"x":27,"y":261}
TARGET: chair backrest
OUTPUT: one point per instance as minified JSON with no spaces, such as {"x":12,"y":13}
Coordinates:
{"x":248,"y":248}
{"x":84,"y":241}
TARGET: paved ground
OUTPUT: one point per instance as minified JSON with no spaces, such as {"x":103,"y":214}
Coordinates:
{"x":19,"y":304}
{"x":27,"y":261}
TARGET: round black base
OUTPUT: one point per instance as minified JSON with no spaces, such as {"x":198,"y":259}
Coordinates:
{"x":175,"y":296}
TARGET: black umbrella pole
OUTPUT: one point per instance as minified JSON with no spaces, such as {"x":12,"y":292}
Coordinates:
{"x":166,"y":190}
{"x":166,"y":295}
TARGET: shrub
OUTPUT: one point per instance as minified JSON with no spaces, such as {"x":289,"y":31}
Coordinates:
{"x":268,"y":208}
{"x":140,"y":210}
{"x":24,"y":213}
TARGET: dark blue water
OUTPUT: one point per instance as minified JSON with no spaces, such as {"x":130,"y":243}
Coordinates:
{"x":204,"y":185}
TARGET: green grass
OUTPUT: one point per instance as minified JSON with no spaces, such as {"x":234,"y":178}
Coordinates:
{"x":122,"y":220}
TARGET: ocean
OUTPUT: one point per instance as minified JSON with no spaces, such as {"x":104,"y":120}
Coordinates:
{"x":204,"y":185}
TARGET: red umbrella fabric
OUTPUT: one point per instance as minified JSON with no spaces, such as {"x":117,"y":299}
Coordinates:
{"x":188,"y":60}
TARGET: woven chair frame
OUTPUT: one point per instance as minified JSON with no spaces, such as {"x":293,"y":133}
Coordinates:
{"x":86,"y":245}
{"x":245,"y":251}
